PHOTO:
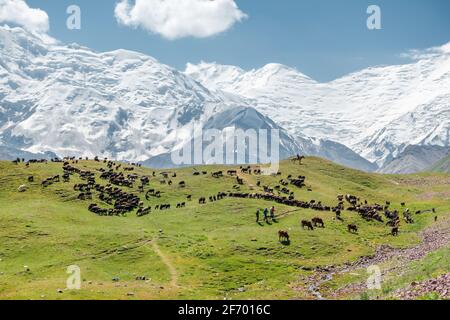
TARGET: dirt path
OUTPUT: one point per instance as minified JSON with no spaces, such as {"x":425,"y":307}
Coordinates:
{"x":173,"y":272}
{"x":433,"y":238}
{"x":287,"y":213}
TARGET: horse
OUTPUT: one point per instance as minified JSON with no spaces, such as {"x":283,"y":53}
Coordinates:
{"x":283,"y":236}
{"x":318,"y":222}
{"x":307,"y":224}
{"x":232,"y":172}
{"x":298,"y":158}
{"x":352,"y":228}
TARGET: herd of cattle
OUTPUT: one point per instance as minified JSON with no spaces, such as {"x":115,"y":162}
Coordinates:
{"x":117,"y":192}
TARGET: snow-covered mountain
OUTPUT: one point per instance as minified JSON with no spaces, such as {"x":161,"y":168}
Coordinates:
{"x":377,"y":112}
{"x":70,"y":100}
{"x":240,"y":118}
{"x":8,"y":153}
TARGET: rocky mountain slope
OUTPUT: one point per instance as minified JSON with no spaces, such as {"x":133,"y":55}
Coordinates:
{"x":442,"y":165}
{"x":415,"y":159}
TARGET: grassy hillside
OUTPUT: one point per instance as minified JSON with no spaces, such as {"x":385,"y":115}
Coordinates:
{"x":212,"y":251}
{"x":442,"y":166}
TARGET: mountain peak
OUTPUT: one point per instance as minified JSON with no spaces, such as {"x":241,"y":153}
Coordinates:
{"x":283,"y":71}
{"x":212,"y":75}
{"x":202,"y":65}
{"x":277,"y":67}
{"x":122,"y":55}
{"x":21,"y":35}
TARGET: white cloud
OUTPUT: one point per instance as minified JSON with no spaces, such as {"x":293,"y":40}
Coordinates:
{"x":174,"y":19}
{"x":19,"y":13}
{"x":420,"y":54}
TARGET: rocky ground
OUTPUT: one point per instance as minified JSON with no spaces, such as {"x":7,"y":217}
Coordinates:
{"x":439,"y":286}
{"x":433,"y":238}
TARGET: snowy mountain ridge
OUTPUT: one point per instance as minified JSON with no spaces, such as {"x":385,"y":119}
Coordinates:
{"x":70,"y":100}
{"x":376,"y":112}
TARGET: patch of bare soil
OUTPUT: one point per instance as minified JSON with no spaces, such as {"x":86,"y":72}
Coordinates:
{"x":434,"y":195}
{"x":421,"y":181}
{"x":165,"y":259}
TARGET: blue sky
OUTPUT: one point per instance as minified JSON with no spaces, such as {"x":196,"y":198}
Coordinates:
{"x":324,"y":39}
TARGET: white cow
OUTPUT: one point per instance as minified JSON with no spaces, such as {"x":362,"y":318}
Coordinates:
{"x":22,"y":188}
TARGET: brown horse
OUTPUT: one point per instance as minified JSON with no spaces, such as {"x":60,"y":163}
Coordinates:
{"x":307,"y":224}
{"x":298,"y":158}
{"x":318,"y":222}
{"x":283,"y":236}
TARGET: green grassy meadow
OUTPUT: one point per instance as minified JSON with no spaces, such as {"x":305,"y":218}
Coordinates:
{"x":211,"y":251}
